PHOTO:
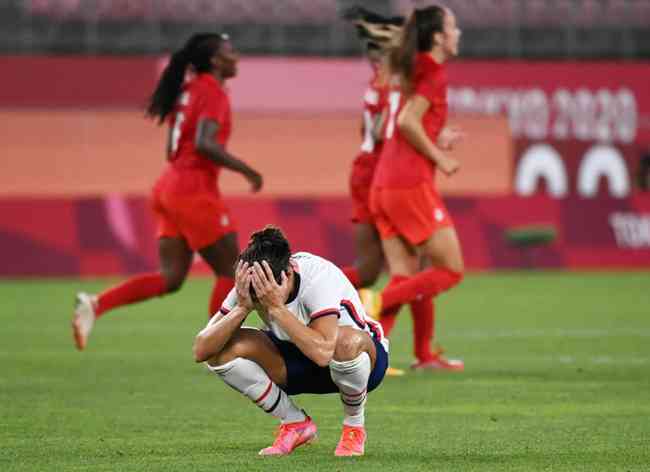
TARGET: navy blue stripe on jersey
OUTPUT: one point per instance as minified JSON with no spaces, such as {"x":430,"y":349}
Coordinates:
{"x":326,"y":312}
{"x":349,"y":307}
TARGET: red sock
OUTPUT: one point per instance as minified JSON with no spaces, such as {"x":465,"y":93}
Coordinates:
{"x":423,"y":314}
{"x":388,"y":317}
{"x":352,"y":273}
{"x":221,"y":288}
{"x":426,"y":284}
{"x":136,"y":289}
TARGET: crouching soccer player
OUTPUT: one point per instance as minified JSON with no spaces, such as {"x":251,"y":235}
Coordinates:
{"x":316,"y":339}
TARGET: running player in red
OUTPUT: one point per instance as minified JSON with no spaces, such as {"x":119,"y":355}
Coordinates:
{"x":376,"y":32}
{"x":370,"y":258}
{"x":411,"y":218}
{"x":186,"y":200}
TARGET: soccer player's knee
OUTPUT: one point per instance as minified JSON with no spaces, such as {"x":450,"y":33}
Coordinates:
{"x":460,"y":273}
{"x":233,"y":349}
{"x":369,"y":277}
{"x":348,"y":345}
{"x":222,"y":357}
{"x":173,"y":282}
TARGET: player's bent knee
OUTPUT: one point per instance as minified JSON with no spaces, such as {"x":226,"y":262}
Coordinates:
{"x":458,"y":267}
{"x":349,"y":344}
{"x":230,"y":351}
{"x":173,"y":283}
{"x":242,"y":344}
{"x":369,"y":275}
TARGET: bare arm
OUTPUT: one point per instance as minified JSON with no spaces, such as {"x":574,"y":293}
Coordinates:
{"x":410,"y":125}
{"x":316,"y":341}
{"x":378,"y":126}
{"x":208,"y":147}
{"x":211,"y":339}
{"x":168,"y":147}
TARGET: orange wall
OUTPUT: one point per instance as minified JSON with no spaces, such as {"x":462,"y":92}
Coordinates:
{"x":64,"y":152}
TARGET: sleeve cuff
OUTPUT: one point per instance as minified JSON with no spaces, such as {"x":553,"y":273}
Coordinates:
{"x":326,"y":312}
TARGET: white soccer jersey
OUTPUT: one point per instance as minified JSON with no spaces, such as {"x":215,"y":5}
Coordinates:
{"x":322,"y":290}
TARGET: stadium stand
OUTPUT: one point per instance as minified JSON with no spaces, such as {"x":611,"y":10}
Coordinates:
{"x":543,"y":29}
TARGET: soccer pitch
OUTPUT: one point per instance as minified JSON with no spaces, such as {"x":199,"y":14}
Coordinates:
{"x":557,"y":378}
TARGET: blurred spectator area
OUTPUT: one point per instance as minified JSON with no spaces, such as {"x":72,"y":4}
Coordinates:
{"x":178,"y":11}
{"x":492,"y":28}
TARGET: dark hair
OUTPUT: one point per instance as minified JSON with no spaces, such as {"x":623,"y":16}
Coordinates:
{"x":270,"y":245}
{"x":356,"y":12}
{"x":372,"y":46}
{"x":418,"y":37}
{"x":198,"y":51}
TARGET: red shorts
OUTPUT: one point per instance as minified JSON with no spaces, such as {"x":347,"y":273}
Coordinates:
{"x":412,"y":213}
{"x":201,"y":217}
{"x":363,"y":170}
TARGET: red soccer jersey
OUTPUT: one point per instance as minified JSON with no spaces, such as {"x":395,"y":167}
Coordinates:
{"x":400,"y":164}
{"x":374,"y":102}
{"x":202,"y":97}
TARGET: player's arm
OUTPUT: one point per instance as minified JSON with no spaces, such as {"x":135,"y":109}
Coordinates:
{"x":211,"y":339}
{"x":207,"y":145}
{"x":410,"y":125}
{"x":378,"y":125}
{"x":448,"y":137}
{"x":316,"y":341}
{"x":168,"y":147}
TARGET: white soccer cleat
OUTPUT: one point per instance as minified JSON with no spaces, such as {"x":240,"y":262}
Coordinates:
{"x":84,"y":318}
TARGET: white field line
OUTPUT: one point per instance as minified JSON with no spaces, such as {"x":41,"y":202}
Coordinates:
{"x":548,"y":333}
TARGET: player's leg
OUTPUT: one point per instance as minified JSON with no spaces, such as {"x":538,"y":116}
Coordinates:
{"x":425,"y":223}
{"x":402,"y":263}
{"x":221,"y":256}
{"x":175,"y":260}
{"x":254,"y":366}
{"x":355,"y":359}
{"x":444,"y":252}
{"x":444,"y":249}
{"x":370,"y":256}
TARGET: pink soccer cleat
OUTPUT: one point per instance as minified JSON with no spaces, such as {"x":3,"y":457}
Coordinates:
{"x":352,"y":442}
{"x":290,"y":436}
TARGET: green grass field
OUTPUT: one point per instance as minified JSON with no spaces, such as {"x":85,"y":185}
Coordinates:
{"x":557,"y":378}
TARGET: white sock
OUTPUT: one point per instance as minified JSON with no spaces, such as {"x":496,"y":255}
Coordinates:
{"x":351,"y":377}
{"x":249,"y":378}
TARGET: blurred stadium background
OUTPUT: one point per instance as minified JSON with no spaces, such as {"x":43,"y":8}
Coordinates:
{"x":555,"y":98}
